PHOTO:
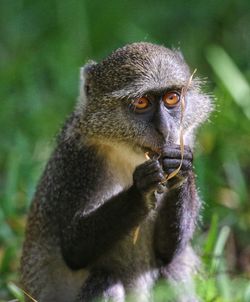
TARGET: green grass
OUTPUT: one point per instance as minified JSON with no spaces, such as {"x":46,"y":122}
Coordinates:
{"x":214,"y":283}
{"x":42,"y":46}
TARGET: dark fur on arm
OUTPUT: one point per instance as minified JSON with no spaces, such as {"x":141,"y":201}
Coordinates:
{"x":89,"y":225}
{"x":176,"y":220}
{"x":89,"y":236}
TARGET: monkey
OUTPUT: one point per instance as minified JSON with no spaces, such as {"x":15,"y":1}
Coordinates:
{"x":98,"y":188}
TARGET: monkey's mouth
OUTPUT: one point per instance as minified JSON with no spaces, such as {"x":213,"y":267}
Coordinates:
{"x":153,"y":145}
{"x":151,"y":152}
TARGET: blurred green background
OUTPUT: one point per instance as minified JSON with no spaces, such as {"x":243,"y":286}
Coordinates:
{"x":42,"y":46}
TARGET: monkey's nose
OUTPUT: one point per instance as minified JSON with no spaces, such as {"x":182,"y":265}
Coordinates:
{"x":163,"y":131}
{"x":161,"y":122}
{"x":162,"y":126}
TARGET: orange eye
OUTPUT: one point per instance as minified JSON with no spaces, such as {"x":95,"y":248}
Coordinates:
{"x":171,"y":98}
{"x":141,"y":103}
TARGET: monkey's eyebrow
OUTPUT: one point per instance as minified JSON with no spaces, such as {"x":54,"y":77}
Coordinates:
{"x":131,"y":93}
{"x":126,"y":93}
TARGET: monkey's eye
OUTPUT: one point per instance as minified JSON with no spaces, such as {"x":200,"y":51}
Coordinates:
{"x":171,"y":98}
{"x":141,"y":103}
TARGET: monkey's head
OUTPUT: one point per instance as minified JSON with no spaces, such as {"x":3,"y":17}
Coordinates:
{"x":134,"y":97}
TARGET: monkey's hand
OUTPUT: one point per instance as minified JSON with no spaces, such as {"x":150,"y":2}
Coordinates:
{"x":147,"y":178}
{"x":178,"y":209}
{"x":171,"y":159}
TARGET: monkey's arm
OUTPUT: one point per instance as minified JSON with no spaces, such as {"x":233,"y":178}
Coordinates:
{"x":177,"y":213}
{"x":87,"y":235}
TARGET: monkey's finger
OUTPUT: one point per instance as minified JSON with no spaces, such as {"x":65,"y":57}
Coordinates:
{"x":168,"y":163}
{"x":175,"y":163}
{"x":186,"y":165}
{"x":176,"y":153}
{"x":151,"y":181}
{"x":141,"y":170}
{"x":169,"y":171}
{"x":154,"y":167}
{"x":160,"y":188}
{"x":150,"y":162}
{"x":173,"y":152}
{"x":146,"y":176}
{"x":150,"y":167}
{"x":177,"y":147}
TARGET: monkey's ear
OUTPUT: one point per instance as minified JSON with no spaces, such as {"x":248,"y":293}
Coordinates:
{"x":85,"y":72}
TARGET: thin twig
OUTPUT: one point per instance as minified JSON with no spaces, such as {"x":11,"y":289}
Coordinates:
{"x":175,"y":172}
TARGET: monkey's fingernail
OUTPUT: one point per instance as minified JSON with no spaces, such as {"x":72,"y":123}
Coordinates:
{"x":160,"y":188}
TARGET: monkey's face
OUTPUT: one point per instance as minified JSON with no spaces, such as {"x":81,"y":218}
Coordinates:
{"x":134,"y":96}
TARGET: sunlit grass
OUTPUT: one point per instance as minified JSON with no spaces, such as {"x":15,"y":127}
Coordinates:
{"x":43,"y":44}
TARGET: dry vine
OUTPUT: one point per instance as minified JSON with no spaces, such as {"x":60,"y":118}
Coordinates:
{"x":176,"y":171}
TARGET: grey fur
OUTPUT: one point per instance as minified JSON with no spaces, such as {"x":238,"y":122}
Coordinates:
{"x":98,"y":150}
